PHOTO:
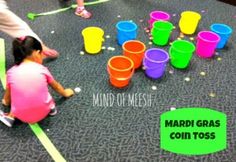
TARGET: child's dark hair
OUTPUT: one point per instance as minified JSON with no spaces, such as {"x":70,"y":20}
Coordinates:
{"x":23,"y":47}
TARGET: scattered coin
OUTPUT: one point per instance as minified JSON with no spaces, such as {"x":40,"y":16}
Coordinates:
{"x":77,"y":90}
{"x":154,"y":88}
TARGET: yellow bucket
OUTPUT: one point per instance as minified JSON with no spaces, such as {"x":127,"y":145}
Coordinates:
{"x":189,"y":21}
{"x":93,"y":38}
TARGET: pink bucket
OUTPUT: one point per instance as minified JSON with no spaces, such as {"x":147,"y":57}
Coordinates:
{"x":158,"y":15}
{"x":206,"y":44}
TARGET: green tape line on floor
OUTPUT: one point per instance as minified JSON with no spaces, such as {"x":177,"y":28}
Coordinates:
{"x":48,"y":145}
{"x":2,"y":63}
{"x":32,"y":16}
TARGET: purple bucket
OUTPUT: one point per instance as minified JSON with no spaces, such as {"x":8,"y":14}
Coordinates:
{"x":154,"y":62}
{"x":158,"y":15}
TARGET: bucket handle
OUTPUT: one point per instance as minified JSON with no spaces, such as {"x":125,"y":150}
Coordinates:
{"x":121,"y":79}
{"x":146,"y":67}
{"x":129,"y":38}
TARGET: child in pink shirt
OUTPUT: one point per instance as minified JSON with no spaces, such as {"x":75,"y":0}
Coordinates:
{"x":27,"y":85}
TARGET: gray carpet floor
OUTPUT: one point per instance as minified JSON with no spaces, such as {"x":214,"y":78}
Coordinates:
{"x":84,"y":132}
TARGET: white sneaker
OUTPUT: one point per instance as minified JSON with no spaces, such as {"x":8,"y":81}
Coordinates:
{"x":7,"y":120}
{"x":53,"y":111}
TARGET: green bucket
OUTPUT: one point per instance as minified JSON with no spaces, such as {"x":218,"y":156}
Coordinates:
{"x":181,"y":52}
{"x":161,"y":32}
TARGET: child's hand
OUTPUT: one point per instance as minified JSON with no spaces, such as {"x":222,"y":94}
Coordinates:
{"x":68,"y":92}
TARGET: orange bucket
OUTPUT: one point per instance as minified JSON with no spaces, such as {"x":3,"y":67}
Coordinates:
{"x":134,"y":49}
{"x":121,"y":70}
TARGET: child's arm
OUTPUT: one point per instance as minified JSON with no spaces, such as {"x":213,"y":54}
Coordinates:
{"x":59,"y":89}
{"x":7,"y":97}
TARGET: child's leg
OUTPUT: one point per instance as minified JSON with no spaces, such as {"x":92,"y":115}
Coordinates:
{"x":11,"y":115}
{"x":81,"y":11}
{"x":14,"y":26}
{"x":7,"y":119}
{"x":80,"y":3}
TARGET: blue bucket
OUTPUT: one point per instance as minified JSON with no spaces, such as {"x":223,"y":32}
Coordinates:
{"x":224,"y":31}
{"x":126,"y":30}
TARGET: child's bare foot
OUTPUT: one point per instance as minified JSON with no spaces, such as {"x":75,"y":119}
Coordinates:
{"x":49,"y":53}
{"x":82,"y":12}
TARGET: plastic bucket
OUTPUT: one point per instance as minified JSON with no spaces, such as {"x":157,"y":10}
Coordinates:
{"x":161,"y":32}
{"x":158,"y":15}
{"x":120,"y":69}
{"x":206,"y":43}
{"x":134,"y":49}
{"x":93,"y":38}
{"x":181,"y":52}
{"x":154,"y":62}
{"x":224,"y":31}
{"x":126,"y":30}
{"x":189,"y":21}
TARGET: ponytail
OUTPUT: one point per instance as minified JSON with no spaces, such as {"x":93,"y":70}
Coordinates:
{"x":23,"y":47}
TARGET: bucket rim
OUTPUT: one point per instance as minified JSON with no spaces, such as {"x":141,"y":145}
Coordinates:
{"x":206,"y":31}
{"x":130,"y":22}
{"x":121,"y":70}
{"x":90,"y":27}
{"x":162,"y":12}
{"x":230,"y":30}
{"x":156,"y":49}
{"x":121,"y":78}
{"x":166,"y":22}
{"x":190,"y":43}
{"x":196,"y":14}
{"x":123,"y":46}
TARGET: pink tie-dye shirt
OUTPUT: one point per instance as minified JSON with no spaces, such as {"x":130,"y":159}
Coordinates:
{"x":30,"y":98}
